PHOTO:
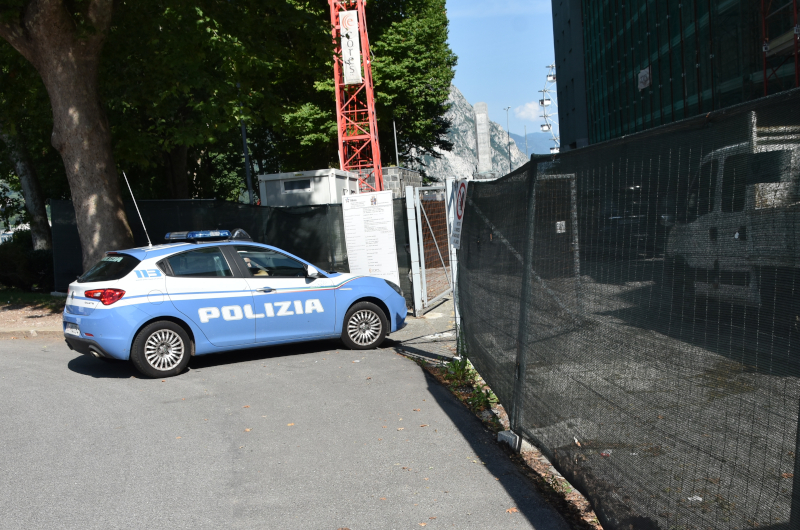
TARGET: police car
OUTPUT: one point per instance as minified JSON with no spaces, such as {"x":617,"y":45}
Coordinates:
{"x":212,"y":291}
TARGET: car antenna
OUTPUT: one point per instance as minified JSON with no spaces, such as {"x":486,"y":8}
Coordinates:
{"x":149,"y":244}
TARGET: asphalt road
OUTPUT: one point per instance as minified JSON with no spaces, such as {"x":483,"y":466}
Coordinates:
{"x":308,"y":436}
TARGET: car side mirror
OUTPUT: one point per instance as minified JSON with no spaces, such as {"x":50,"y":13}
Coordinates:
{"x":312,"y":272}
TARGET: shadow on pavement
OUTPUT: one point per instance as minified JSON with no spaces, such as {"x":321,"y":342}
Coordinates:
{"x":102,"y":368}
{"x":526,"y":498}
{"x":114,"y":369}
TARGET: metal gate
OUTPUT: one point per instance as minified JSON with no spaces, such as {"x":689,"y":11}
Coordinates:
{"x":429,"y":240}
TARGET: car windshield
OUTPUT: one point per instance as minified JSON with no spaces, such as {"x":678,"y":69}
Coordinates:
{"x":265,"y":262}
{"x":110,"y":267}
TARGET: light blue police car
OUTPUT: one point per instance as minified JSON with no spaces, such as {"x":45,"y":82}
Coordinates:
{"x":212,"y":291}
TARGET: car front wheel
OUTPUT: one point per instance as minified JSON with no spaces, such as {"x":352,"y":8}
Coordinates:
{"x":161,"y":349}
{"x":365,"y":326}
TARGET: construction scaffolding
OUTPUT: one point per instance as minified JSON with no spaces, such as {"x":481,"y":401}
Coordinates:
{"x":359,"y":151}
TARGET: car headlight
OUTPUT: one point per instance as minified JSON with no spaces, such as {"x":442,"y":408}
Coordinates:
{"x":394,"y":286}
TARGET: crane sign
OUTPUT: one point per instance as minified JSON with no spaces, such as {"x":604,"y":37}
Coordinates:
{"x":359,"y":151}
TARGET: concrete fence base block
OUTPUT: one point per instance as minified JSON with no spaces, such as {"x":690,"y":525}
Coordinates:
{"x":516,"y":442}
{"x":510,"y":438}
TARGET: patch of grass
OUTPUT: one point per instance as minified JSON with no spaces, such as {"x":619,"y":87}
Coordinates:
{"x":482,"y":399}
{"x":459,"y":372}
{"x":17,"y":299}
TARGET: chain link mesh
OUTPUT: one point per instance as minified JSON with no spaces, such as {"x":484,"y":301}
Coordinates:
{"x":636,"y":303}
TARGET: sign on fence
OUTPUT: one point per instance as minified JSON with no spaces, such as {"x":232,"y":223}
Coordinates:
{"x":458,"y":218}
{"x":369,"y":235}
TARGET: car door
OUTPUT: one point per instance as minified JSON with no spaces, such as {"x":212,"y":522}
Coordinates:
{"x":288,"y":304}
{"x":202,"y":285}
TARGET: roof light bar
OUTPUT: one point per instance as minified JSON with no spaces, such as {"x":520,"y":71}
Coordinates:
{"x":197,"y":235}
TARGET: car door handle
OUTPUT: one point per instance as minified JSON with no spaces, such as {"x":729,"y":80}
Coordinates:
{"x":265,"y":290}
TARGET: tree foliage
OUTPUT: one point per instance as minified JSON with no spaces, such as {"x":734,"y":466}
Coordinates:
{"x":177,"y":76}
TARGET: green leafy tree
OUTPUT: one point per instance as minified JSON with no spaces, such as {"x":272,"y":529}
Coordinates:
{"x":27,"y":160}
{"x":413,"y":67}
{"x":63,"y":41}
{"x":179,"y":76}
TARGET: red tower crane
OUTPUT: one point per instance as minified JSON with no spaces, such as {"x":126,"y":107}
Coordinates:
{"x":359,"y":151}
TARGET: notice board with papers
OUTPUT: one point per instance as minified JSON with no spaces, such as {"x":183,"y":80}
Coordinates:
{"x":369,"y":235}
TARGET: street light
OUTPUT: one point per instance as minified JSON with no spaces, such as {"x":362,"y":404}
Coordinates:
{"x":508,"y":143}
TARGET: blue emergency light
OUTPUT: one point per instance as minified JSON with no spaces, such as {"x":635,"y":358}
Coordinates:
{"x":198,"y":235}
{"x":208,"y":235}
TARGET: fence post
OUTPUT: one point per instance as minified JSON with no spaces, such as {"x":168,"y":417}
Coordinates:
{"x":450,"y":198}
{"x":525,"y":294}
{"x":794,"y":515}
{"x":413,"y":247}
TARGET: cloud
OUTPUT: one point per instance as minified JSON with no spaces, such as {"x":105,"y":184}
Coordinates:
{"x":530,"y":111}
{"x":496,"y":8}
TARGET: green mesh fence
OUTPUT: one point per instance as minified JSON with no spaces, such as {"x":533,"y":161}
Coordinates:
{"x":314,"y":233}
{"x":636,"y":306}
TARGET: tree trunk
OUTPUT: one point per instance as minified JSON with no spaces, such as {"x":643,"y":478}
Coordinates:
{"x":47,"y":35}
{"x":31,"y":192}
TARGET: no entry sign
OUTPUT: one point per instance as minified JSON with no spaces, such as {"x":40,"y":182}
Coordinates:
{"x":458,"y":218}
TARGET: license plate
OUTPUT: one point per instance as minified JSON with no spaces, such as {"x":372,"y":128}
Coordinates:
{"x":72,"y":329}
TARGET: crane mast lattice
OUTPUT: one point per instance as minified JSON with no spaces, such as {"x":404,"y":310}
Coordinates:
{"x":359,"y":150}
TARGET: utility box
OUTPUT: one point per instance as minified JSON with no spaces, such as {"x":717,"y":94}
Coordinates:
{"x":395,"y":179}
{"x":304,"y":188}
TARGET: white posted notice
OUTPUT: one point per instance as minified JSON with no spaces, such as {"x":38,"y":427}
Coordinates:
{"x":369,"y":235}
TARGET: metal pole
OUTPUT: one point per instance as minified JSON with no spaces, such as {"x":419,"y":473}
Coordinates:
{"x":247,"y":165}
{"x":248,"y":176}
{"x":796,"y":37}
{"x":522,"y":336}
{"x":508,"y":143}
{"x":794,"y":514}
{"x":526,"y":142}
{"x":450,"y":195}
{"x":413,"y":247}
{"x":396,"y":154}
{"x":424,"y":282}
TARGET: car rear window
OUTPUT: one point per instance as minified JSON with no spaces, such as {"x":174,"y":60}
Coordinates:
{"x":111,"y":267}
{"x":207,"y":262}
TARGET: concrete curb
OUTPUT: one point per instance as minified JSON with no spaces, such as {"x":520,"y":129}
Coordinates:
{"x":30,"y":334}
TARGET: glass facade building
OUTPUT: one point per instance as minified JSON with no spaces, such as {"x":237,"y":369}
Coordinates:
{"x":651,"y":62}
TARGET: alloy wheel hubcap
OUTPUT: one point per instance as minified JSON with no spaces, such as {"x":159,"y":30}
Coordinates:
{"x":364,"y":327}
{"x":164,"y":349}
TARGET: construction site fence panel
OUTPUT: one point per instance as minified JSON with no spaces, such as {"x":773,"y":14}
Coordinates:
{"x":313,"y":233}
{"x":635,"y":305}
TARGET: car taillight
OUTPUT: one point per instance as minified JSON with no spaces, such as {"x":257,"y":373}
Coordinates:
{"x":106,"y":296}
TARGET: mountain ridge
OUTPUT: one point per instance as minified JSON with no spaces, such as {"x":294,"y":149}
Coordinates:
{"x":462,"y":161}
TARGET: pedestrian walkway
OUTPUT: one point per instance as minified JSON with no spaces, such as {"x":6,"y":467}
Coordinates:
{"x":431,"y":336}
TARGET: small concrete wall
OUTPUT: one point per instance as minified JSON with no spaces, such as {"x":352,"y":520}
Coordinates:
{"x":395,"y":179}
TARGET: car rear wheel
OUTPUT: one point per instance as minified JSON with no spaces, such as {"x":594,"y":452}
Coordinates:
{"x":161,"y":349}
{"x":365,"y":326}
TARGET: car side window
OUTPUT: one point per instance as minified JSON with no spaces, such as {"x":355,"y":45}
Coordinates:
{"x":263,"y":262}
{"x":206,"y":262}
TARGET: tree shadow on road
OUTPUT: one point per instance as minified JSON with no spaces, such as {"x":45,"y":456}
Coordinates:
{"x":526,"y":499}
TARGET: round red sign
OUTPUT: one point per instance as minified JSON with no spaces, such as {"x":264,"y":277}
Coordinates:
{"x":461,"y":199}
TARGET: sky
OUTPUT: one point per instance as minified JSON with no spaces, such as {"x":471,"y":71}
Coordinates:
{"x":503,"y":48}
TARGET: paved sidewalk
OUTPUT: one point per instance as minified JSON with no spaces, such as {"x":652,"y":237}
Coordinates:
{"x":305,"y":436}
{"x":431,"y":336}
